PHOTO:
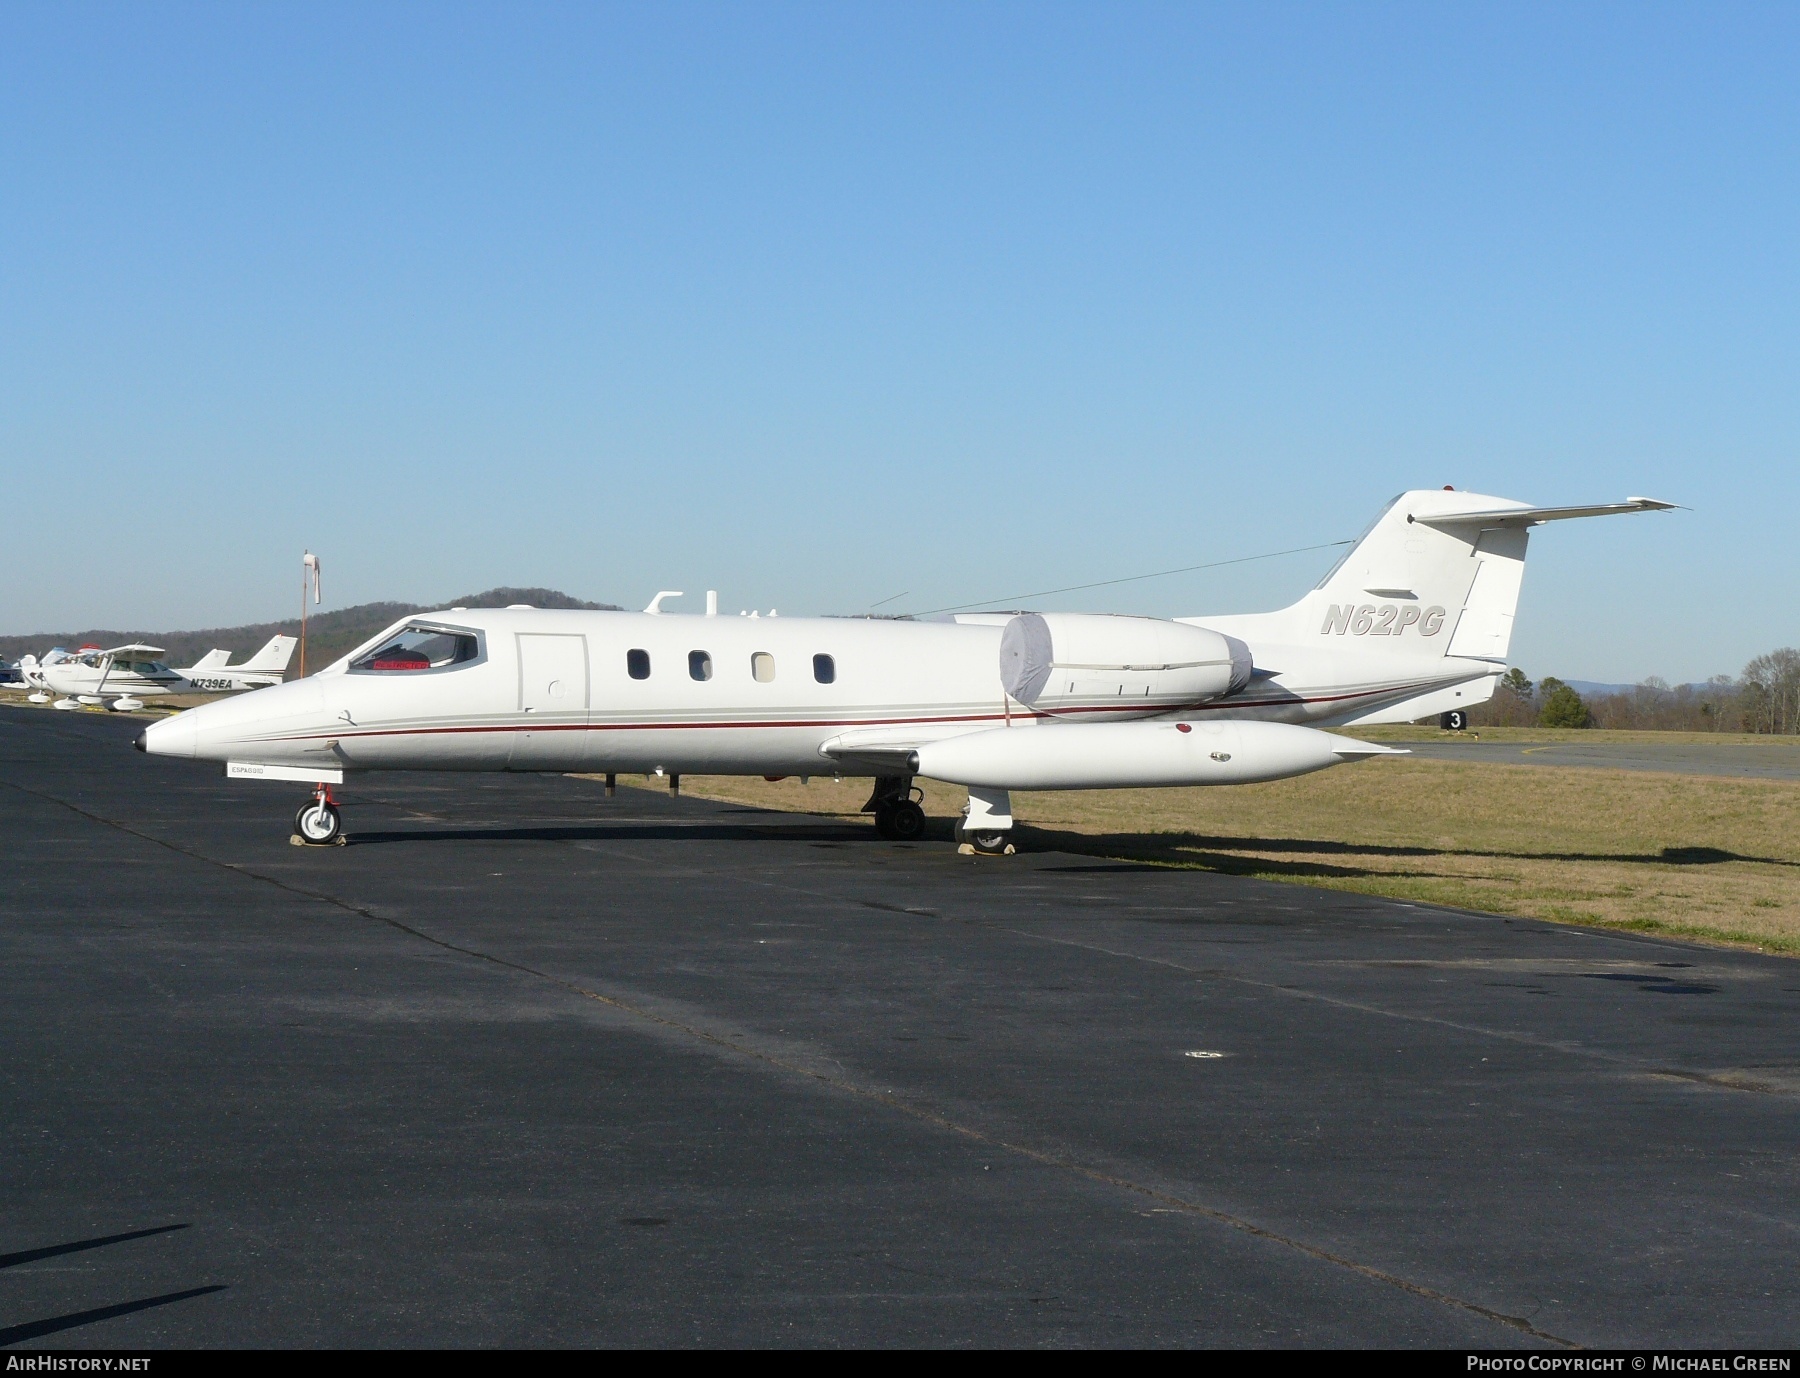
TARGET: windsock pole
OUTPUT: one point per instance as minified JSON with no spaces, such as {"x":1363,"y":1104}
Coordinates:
{"x":309,"y":583}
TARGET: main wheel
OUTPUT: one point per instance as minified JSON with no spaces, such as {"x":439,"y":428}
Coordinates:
{"x":905,"y":821}
{"x":318,"y":823}
{"x":993,"y":842}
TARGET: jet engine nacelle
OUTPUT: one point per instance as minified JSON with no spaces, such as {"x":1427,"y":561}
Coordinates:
{"x":1083,"y":663}
{"x":1127,"y":754}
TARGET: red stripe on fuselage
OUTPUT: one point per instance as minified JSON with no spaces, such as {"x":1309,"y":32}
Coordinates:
{"x":821,"y":722}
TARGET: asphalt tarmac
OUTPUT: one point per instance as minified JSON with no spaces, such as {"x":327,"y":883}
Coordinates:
{"x":523,"y":1065}
{"x":1778,"y":759}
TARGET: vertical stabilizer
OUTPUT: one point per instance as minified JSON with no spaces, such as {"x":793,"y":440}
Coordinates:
{"x":272,"y":658}
{"x":1438,"y":573}
{"x":1413,"y":581}
{"x":1484,"y":630}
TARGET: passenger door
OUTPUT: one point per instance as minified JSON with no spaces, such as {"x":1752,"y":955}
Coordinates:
{"x":553,"y":702}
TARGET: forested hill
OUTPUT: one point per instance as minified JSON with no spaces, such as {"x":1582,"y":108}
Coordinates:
{"x":328,"y":634}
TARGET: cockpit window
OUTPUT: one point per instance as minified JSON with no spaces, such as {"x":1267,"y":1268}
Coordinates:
{"x":420,"y":648}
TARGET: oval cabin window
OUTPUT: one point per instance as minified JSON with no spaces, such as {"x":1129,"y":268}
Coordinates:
{"x":824,"y":669}
{"x":762,"y":667}
{"x":699,"y":664}
{"x":637,"y":664}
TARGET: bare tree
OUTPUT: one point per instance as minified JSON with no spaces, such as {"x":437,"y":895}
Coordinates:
{"x":1770,"y":698}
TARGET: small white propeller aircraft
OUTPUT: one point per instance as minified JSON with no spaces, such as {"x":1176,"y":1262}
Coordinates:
{"x":124,"y":676}
{"x":1414,"y":621}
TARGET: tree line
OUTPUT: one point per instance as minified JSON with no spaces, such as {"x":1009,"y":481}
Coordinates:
{"x":1765,"y":698}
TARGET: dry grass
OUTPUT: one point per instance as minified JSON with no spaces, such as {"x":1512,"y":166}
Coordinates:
{"x":1413,"y":732}
{"x":1711,"y":858}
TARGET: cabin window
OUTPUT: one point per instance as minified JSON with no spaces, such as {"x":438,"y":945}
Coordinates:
{"x":420,"y":648}
{"x":700,"y":664}
{"x":637,"y":664}
{"x":762,"y":667}
{"x":824,"y":669}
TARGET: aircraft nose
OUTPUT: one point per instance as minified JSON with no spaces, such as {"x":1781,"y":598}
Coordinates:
{"x":171,"y":736}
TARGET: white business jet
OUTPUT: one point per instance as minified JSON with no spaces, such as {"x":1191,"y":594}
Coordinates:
{"x":1414,"y":621}
{"x":124,"y":676}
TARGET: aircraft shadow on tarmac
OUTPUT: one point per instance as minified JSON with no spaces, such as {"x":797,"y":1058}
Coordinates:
{"x":616,"y":832}
{"x":50,"y":1325}
{"x":1123,"y":851}
{"x":1222,"y":854}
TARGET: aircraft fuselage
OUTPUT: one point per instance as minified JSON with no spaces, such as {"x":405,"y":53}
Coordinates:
{"x":627,"y":692}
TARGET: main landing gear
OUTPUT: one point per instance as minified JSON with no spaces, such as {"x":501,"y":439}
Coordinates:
{"x":898,"y":816}
{"x":318,"y":824}
{"x":985,"y":827}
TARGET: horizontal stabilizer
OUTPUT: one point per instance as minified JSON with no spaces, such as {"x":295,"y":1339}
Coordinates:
{"x":1531,"y":516}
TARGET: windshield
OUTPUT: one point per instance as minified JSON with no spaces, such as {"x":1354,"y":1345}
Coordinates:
{"x":420,"y":648}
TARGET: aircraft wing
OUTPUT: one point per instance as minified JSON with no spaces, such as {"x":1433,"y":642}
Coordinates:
{"x":117,"y":651}
{"x":1531,"y":516}
{"x":891,"y":748}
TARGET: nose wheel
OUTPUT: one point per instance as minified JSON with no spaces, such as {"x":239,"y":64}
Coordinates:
{"x":987,"y":823}
{"x":319,"y":824}
{"x":989,"y":842}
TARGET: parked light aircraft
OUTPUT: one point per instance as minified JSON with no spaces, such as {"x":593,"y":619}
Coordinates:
{"x":127,"y":675}
{"x":1414,"y":621}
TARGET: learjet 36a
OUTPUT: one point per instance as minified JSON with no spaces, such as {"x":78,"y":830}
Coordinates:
{"x":1414,"y":621}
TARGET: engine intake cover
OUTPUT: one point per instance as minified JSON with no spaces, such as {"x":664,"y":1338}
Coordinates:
{"x":1124,"y":667}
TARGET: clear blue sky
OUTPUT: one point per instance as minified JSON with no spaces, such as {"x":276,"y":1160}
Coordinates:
{"x":820,"y":304}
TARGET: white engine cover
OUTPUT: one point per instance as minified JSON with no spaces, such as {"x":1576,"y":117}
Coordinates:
{"x":1122,"y":755}
{"x":1084,"y":663}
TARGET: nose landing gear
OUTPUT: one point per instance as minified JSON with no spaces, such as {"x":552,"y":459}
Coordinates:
{"x":318,"y":824}
{"x":986,"y":826}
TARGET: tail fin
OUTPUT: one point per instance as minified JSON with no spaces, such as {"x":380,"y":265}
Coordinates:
{"x":212,"y":660}
{"x":272,"y":658}
{"x":1437,"y":573}
{"x":1422,"y":584}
